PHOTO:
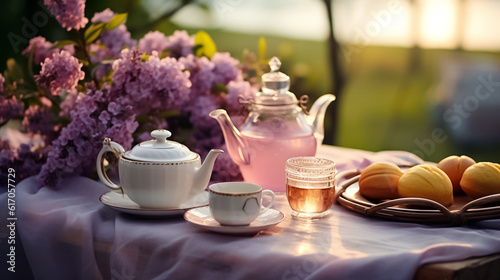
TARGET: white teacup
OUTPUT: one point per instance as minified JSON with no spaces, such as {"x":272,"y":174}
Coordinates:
{"x":237,"y":203}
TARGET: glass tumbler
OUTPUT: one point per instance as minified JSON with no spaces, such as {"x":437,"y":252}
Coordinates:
{"x":310,"y":186}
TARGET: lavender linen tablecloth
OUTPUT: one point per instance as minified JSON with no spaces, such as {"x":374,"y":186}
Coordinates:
{"x":68,"y":234}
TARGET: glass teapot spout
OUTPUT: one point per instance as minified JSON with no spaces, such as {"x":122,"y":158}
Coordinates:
{"x":237,"y":146}
{"x":316,"y":116}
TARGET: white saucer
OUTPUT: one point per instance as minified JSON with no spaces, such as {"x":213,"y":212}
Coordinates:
{"x":123,"y":204}
{"x":202,"y":218}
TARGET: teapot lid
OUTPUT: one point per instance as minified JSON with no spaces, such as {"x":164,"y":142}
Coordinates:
{"x":160,"y":149}
{"x":275,"y":85}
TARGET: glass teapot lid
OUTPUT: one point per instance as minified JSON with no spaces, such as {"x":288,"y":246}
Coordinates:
{"x":160,"y":149}
{"x":275,"y":85}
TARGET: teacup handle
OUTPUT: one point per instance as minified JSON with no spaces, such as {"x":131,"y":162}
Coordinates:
{"x":271,"y":193}
{"x":117,"y":150}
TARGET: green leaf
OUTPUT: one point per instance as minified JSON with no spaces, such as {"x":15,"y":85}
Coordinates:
{"x":115,"y":21}
{"x":107,"y":61}
{"x":83,"y":61}
{"x":164,"y":54}
{"x":62,"y":43}
{"x":196,"y":48}
{"x":219,"y":87}
{"x":204,"y":6}
{"x":168,"y":113}
{"x":262,"y":49}
{"x":207,"y":48}
{"x":30,"y":62}
{"x":93,"y":32}
{"x":145,"y":57}
{"x":141,"y":119}
{"x":14,"y":72}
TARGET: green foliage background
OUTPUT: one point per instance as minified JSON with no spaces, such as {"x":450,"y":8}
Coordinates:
{"x":387,"y":104}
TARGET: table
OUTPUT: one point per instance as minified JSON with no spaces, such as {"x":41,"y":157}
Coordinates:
{"x":68,"y":234}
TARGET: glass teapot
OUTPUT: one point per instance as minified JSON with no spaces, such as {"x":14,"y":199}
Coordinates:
{"x":276,"y":129}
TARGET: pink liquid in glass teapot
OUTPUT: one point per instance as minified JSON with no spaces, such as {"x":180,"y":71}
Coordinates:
{"x":275,"y":130}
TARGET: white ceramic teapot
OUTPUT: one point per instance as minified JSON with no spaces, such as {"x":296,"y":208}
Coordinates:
{"x":158,"y":173}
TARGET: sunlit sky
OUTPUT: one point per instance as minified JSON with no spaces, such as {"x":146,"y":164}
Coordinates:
{"x":429,"y":23}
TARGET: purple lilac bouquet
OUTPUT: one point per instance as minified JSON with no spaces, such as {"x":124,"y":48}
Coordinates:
{"x":119,"y":88}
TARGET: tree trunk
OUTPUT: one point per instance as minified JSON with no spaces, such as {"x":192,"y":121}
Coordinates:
{"x":337,"y":79}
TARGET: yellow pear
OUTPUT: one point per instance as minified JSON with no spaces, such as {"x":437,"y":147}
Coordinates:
{"x":454,"y":167}
{"x":481,"y":179}
{"x":426,"y":181}
{"x":380,"y":180}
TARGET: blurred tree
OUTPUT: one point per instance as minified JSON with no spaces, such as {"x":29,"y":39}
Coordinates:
{"x":338,"y":77}
{"x":137,"y":27}
{"x":415,"y":51}
{"x":461,"y":22}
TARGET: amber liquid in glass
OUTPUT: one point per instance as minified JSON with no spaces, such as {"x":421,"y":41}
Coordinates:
{"x":310,"y":200}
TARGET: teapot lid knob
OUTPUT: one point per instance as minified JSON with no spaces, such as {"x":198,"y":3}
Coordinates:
{"x":275,"y":82}
{"x":160,"y":149}
{"x":161,"y":136}
{"x":275,"y":85}
{"x":274,"y":64}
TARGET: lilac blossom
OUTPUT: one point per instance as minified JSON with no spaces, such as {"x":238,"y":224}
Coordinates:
{"x":206,"y":138}
{"x":179,"y":82}
{"x":180,"y":44}
{"x":200,"y":108}
{"x":226,"y":68}
{"x":61,"y":72}
{"x":110,"y":45}
{"x":238,"y":92}
{"x":2,"y":81}
{"x":41,"y":49}
{"x":126,"y":70}
{"x":110,"y":42}
{"x":75,"y":150}
{"x":202,"y":73}
{"x":98,"y":53}
{"x":10,"y":108}
{"x":27,"y":160}
{"x":225,"y":170}
{"x":69,"y":13}
{"x":205,"y":74}
{"x":104,"y":16}
{"x":153,"y":41}
{"x":117,"y":39}
{"x":169,"y":83}
{"x":39,"y":120}
{"x":68,"y":104}
{"x":155,"y":85}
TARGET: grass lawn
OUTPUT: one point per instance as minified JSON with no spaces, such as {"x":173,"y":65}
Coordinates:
{"x":389,"y":107}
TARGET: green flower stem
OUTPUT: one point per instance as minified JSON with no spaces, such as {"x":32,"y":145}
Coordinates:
{"x":83,"y":45}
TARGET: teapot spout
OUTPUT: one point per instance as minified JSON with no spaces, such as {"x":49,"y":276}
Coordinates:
{"x":236,"y":145}
{"x":316,"y":116}
{"x":202,"y":174}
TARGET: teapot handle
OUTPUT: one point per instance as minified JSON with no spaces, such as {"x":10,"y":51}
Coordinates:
{"x":115,"y":148}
